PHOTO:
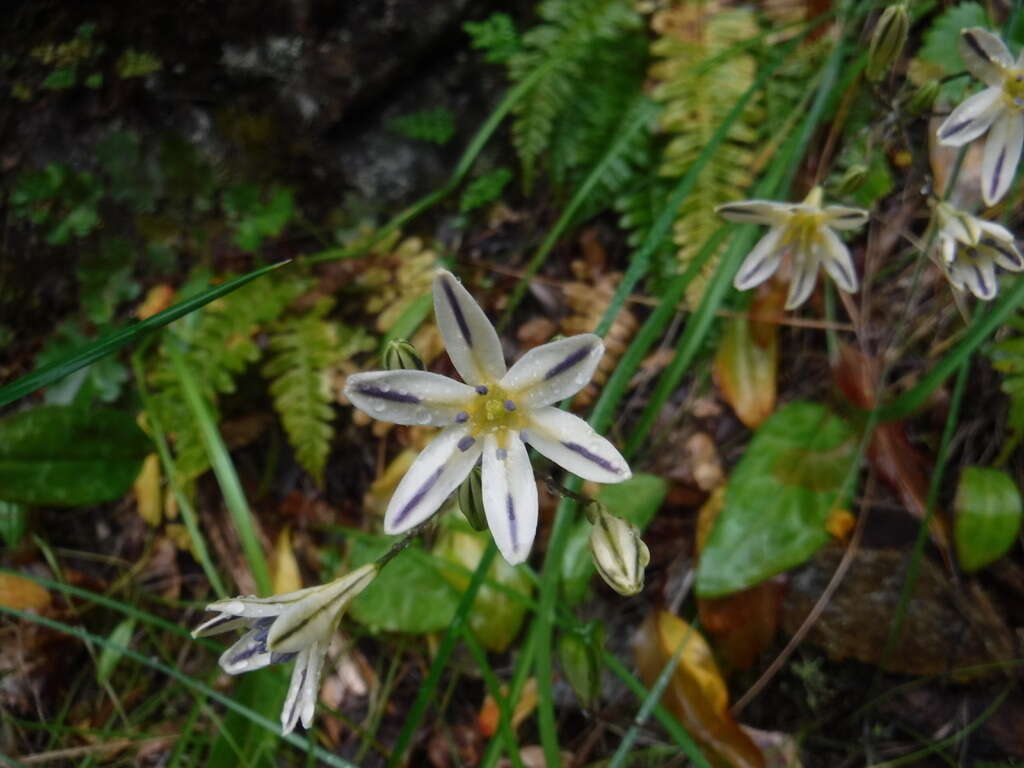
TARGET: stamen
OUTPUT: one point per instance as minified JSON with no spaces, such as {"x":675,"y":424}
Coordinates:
{"x":509,"y":405}
{"x":461,"y":417}
{"x":481,"y":390}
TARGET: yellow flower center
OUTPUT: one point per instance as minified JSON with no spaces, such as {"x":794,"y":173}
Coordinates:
{"x":492,"y":410}
{"x":1013,"y":88}
{"x":802,"y":230}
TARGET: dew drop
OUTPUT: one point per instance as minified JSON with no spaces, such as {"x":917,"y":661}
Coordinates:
{"x":422,"y":415}
{"x":378,"y":407}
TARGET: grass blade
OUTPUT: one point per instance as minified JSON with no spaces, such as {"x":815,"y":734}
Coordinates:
{"x":90,"y":353}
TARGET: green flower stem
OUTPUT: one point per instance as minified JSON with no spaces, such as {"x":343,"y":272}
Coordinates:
{"x":505,"y":703}
{"x":224,"y":469}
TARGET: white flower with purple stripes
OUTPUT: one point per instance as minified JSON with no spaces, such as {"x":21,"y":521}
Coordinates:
{"x":296,"y":625}
{"x":999,"y":110}
{"x":493,"y":416}
{"x":972,"y":248}
{"x":803,"y":230}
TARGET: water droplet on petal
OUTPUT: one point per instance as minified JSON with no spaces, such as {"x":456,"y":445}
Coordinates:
{"x":378,"y":407}
{"x":422,"y":415}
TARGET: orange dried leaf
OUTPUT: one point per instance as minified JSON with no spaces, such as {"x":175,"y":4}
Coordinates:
{"x":490,"y":714}
{"x":158,"y":298}
{"x":22,"y":594}
{"x":746,"y":371}
{"x":696,"y":694}
{"x":147,"y":491}
{"x":285,"y":571}
{"x":742,"y":624}
{"x":839,"y":524}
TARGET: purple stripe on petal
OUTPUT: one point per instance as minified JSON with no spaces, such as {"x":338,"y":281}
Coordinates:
{"x":956,"y":128}
{"x":591,"y":456}
{"x":981,"y":279}
{"x":510,"y":511}
{"x":282,"y":658}
{"x":466,"y":443}
{"x":736,"y":210}
{"x":568,"y":362}
{"x":460,"y":318}
{"x":976,"y":47}
{"x":997,"y":172}
{"x":386,"y":394}
{"x":842,"y":270}
{"x":418,"y":496}
{"x":1003,"y":249}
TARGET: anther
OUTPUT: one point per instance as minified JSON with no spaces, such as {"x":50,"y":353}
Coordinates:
{"x":481,"y":390}
{"x":461,"y":417}
{"x":509,"y":405}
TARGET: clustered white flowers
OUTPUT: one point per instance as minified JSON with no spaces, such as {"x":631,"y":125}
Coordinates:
{"x":972,"y":248}
{"x":490,"y":416}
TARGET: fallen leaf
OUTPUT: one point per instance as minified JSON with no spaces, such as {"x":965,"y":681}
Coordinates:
{"x":22,"y":594}
{"x":158,"y":298}
{"x":696,"y":693}
{"x":490,"y":714}
{"x":147,"y":491}
{"x":284,"y":569}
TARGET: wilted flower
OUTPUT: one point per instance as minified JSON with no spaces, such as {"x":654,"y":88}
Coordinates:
{"x":805,"y":231}
{"x":620,"y":555}
{"x":296,"y":625}
{"x":493,"y":415}
{"x":998,"y":107}
{"x":972,"y":248}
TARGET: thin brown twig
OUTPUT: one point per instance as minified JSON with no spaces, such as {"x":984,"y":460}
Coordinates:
{"x":89,"y":749}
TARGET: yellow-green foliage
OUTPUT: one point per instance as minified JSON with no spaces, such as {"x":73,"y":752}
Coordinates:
{"x":305,"y":349}
{"x":220,"y":343}
{"x":698,"y":91}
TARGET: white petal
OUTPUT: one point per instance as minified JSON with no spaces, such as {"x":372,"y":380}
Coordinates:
{"x":835,"y":257}
{"x":553,"y":371}
{"x":225,"y":622}
{"x":985,"y":55}
{"x":980,"y":278}
{"x":1002,"y":153}
{"x":956,"y":275}
{"x":947,"y":246}
{"x":972,"y":118}
{"x":998,"y":244}
{"x":437,"y":472}
{"x":249,"y":652}
{"x":292,"y":708}
{"x":408,"y":397}
{"x":510,"y":496}
{"x":761,"y":262}
{"x":258,"y":607}
{"x":844,"y":218}
{"x":469,"y":337}
{"x":573,"y":444}
{"x":310,"y":693}
{"x":755,"y":212}
{"x":805,"y":273}
{"x":314,"y":618}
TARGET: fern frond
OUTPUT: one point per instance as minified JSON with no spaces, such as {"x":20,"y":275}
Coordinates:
{"x":305,"y":349}
{"x":571,"y":37}
{"x":220,"y":342}
{"x":696,"y":100}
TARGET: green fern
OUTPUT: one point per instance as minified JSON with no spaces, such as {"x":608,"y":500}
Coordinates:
{"x":220,"y":343}
{"x":305,"y":349}
{"x":484,"y":189}
{"x":697,"y":95}
{"x":573,"y":36}
{"x":496,"y":36}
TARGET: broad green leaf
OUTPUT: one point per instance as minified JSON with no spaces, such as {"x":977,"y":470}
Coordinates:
{"x":988,"y":516}
{"x":111,"y":654}
{"x":63,"y":456}
{"x":90,"y":353}
{"x":636,"y":500}
{"x":940,"y":53}
{"x":778,"y":499}
{"x":496,"y":616}
{"x":409,"y":594}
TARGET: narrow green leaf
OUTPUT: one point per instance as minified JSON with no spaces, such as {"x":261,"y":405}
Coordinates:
{"x":988,"y":516}
{"x":118,"y":639}
{"x":63,"y":456}
{"x":13,"y":522}
{"x":778,"y":499}
{"x":112,"y":342}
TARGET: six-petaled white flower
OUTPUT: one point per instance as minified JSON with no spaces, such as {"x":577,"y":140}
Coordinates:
{"x":972,"y":248}
{"x":490,"y":417}
{"x":804,"y":231}
{"x":1000,"y":107}
{"x":297,"y":625}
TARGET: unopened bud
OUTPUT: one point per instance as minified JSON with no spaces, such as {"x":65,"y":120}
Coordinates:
{"x":887,"y":42}
{"x":580,"y":656}
{"x":471,"y":500}
{"x":401,"y":355}
{"x":620,"y":555}
{"x":852,"y":180}
{"x":923,"y":98}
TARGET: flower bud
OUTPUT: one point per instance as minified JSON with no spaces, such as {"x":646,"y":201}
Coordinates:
{"x":620,"y":555}
{"x":852,"y":180}
{"x":923,"y":98}
{"x":400,"y":354}
{"x":471,"y":500}
{"x":580,"y":656}
{"x":887,"y":42}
